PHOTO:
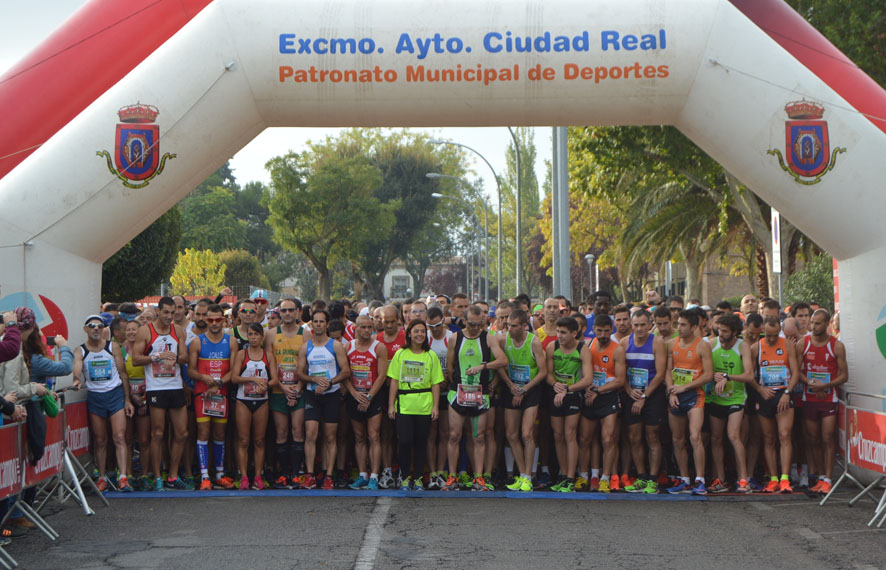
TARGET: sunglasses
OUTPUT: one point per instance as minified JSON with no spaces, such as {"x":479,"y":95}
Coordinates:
{"x":470,"y":324}
{"x":260,"y":301}
{"x":287,"y":310}
{"x":248,"y":311}
{"x":440,"y":324}
{"x":96,"y":325}
{"x":215,"y":319}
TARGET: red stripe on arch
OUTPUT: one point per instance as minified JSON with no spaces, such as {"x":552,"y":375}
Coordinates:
{"x":86,"y":56}
{"x":788,"y":28}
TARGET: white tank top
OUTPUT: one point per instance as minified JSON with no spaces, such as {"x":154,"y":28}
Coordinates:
{"x":100,"y":369}
{"x":162,"y":375}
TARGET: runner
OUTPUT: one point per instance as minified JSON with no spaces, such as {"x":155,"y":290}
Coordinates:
{"x":438,"y":439}
{"x":822,"y":369}
{"x":286,"y":399}
{"x":601,"y":401}
{"x":138,"y":426}
{"x":210,"y":367}
{"x":160,"y":348}
{"x":522,"y":386}
{"x":246,"y":312}
{"x":602,"y":306}
{"x":547,"y":334}
{"x":322,"y":366}
{"x":776,"y":362}
{"x":254,"y":369}
{"x":646,"y":360}
{"x":621,"y":319}
{"x":733,"y":369}
{"x":100,"y":364}
{"x":368,"y":359}
{"x":469,"y":360}
{"x":689,"y":369}
{"x":394,"y":338}
{"x":664,"y":324}
{"x":259,"y":298}
{"x":568,"y":364}
{"x":416,"y":376}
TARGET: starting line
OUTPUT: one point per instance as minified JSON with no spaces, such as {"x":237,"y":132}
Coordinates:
{"x":451,"y":495}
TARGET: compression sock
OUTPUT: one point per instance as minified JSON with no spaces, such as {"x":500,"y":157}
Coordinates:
{"x":203,"y":457}
{"x":218,"y":453}
{"x":297,"y":456}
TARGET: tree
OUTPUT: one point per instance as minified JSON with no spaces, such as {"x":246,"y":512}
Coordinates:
{"x":242,"y":268}
{"x":813,"y":283}
{"x":322,"y":205}
{"x":138,"y":268}
{"x":197,"y":272}
{"x":251,"y":207}
{"x":210,"y":220}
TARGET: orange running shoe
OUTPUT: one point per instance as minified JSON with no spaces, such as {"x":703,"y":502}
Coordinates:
{"x":784,"y":486}
{"x":771,"y":487}
{"x":825,"y":487}
{"x":817,"y":486}
{"x":224,"y":483}
{"x":594,"y":485}
{"x":614,"y":485}
{"x":451,"y":484}
{"x":206,"y":484}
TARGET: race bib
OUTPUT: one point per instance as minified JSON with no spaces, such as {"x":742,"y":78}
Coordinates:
{"x":253,"y":390}
{"x":682,"y":376}
{"x":413,"y":372}
{"x":639,"y":378}
{"x":824,"y":378}
{"x":137,"y":387}
{"x":286,"y":372}
{"x":468,"y":395}
{"x":215,"y":406}
{"x":164,"y":368}
{"x":99,"y":370}
{"x":563,"y":378}
{"x":520,"y":374}
{"x":599,"y":378}
{"x":773,"y":376}
{"x":361,"y":375}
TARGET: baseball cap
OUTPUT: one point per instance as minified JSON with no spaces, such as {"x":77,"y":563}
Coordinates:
{"x":93,"y":318}
{"x":107,"y":318}
{"x":259,"y":294}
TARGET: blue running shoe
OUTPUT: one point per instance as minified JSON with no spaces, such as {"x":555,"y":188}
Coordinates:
{"x":158,"y":485}
{"x":700,"y":489}
{"x":754,"y":485}
{"x":680,"y":488}
{"x":359,"y":483}
{"x":544,"y":480}
{"x":373,"y":485}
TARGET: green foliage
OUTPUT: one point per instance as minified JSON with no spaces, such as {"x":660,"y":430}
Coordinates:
{"x":243,"y":268}
{"x":197,"y":272}
{"x":210,"y":220}
{"x":813,"y":283}
{"x":138,"y":268}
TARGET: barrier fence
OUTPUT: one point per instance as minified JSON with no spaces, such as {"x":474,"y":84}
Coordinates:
{"x":67,"y":438}
{"x":862,"y":443}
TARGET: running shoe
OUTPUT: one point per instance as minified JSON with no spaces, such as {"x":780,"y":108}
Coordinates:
{"x":341,"y":480}
{"x":465,"y":480}
{"x":651,"y":488}
{"x":581,"y":484}
{"x":681,"y":488}
{"x":567,"y":486}
{"x":825,"y":487}
{"x":123,"y":484}
{"x":544,"y":480}
{"x":784,"y":486}
{"x":189,"y":483}
{"x":743,"y":486}
{"x":451,"y":484}
{"x":526,"y":487}
{"x":244,"y":483}
{"x":178,"y":484}
{"x":146,"y":483}
{"x":755,"y":486}
{"x":373,"y":484}
{"x":360,"y":483}
{"x":699,"y":489}
{"x":771,"y":487}
{"x":604,"y":486}
{"x":556,"y":486}
{"x":386,"y":481}
{"x":404,"y":483}
{"x":309,"y":482}
{"x":627,"y":480}
{"x":295,"y":482}
{"x":480,"y":484}
{"x":594,"y":485}
{"x":224,"y":482}
{"x":258,"y":484}
{"x":804,"y":481}
{"x":158,"y":484}
{"x":433,"y":485}
{"x":206,"y":484}
{"x":489,"y":484}
{"x":515,"y":486}
{"x":281,"y":482}
{"x":614,"y":484}
{"x":637,"y":487}
{"x":817,"y":486}
{"x":102,"y":484}
{"x":418,"y":485}
{"x":718,"y":487}
{"x":328,"y":484}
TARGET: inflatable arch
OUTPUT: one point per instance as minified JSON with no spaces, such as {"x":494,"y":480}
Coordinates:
{"x":130,"y":105}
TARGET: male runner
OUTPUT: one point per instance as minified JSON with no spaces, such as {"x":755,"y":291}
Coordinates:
{"x":646,"y":360}
{"x":211,"y":354}
{"x":776,"y":362}
{"x":664,"y":324}
{"x":822,"y":369}
{"x":689,"y":369}
{"x":393,"y":336}
{"x":621,"y":318}
{"x":602,"y":305}
{"x":438,"y":440}
{"x":160,"y":348}
{"x":547,"y":334}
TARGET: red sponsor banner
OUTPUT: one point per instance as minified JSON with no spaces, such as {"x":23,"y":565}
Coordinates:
{"x":10,"y":462}
{"x":841,"y":428}
{"x":836,"y":287}
{"x":53,"y":453}
{"x":77,"y":428}
{"x":867,"y":439}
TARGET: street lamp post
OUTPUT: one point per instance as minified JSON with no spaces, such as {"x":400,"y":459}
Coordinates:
{"x":590,"y":259}
{"x":485,"y":223}
{"x":498,"y":187}
{"x":518,"y":221}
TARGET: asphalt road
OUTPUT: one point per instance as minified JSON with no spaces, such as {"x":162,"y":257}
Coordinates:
{"x":270,"y":530}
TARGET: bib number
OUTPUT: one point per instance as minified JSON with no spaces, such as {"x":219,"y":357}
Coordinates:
{"x":163,"y":368}
{"x":286,"y":373}
{"x":413,"y":372}
{"x":215,"y":406}
{"x":682,"y":376}
{"x":137,"y":387}
{"x":360,"y":375}
{"x":774,"y":376}
{"x":639,"y":378}
{"x":563,"y":378}
{"x":468,"y":395}
{"x":823,"y":378}
{"x":100,"y":370}
{"x":253,"y":390}
{"x":519,"y":374}
{"x":599,"y":378}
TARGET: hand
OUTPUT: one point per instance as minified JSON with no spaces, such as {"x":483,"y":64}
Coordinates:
{"x":9,"y":316}
{"x":674,"y":390}
{"x":783,"y":403}
{"x":213,"y":389}
{"x":40,"y":389}
{"x":719,"y":386}
{"x":819,"y":388}
{"x":435,"y":413}
{"x":719,"y":376}
{"x":392,"y":412}
{"x":638,"y":407}
{"x":558,"y":398}
{"x":766,"y":393}
{"x":516,"y":390}
{"x":517,"y":399}
{"x":20,"y":414}
{"x":590,"y":396}
{"x":60,"y":340}
{"x":474,"y":370}
{"x":560,"y":388}
{"x":76,"y":384}
{"x":673,"y":401}
{"x":636,"y":395}
{"x":129,"y":409}
{"x":226,"y":292}
{"x":362,"y":401}
{"x":11,"y":397}
{"x":137,"y":401}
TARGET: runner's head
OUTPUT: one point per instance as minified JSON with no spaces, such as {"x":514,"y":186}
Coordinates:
{"x":771,"y":328}
{"x":336,"y":329}
{"x":502,"y":313}
{"x":664,"y":324}
{"x":459,"y":304}
{"x":418,"y":310}
{"x":147,"y":316}
{"x":517,"y":320}
{"x":641,"y":325}
{"x":417,"y":335}
{"x":802,"y":312}
{"x":320,"y":322}
{"x":475,"y":322}
{"x":259,"y":298}
{"x":749,"y":304}
{"x":130,"y":331}
{"x":551,"y":310}
{"x":435,"y":322}
{"x":622,"y":320}
{"x":289,"y":311}
{"x":791,"y":332}
{"x":770,"y":308}
{"x":687,"y":323}
{"x":728,"y":327}
{"x":582,"y":322}
{"x":753,"y":327}
{"x":181,"y":309}
{"x":118,"y":329}
{"x":215,"y":318}
{"x":390,"y":320}
{"x":819,"y":323}
{"x":93,"y":327}
{"x":602,"y":303}
{"x":200,"y":311}
{"x":603,"y":329}
{"x":363,"y":328}
{"x":166,"y":310}
{"x":247,"y":312}
{"x":566,"y":331}
{"x":255,"y":334}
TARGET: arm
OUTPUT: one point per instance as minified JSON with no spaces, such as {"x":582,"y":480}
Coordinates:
{"x":341,"y":356}
{"x":842,"y":366}
{"x":43,"y":366}
{"x":128,"y":408}
{"x":549,"y":364}
{"x":500,"y":359}
{"x":235,"y":369}
{"x":450,"y":360}
{"x":659,"y":351}
{"x":273,"y":380}
{"x":587,"y":370}
{"x":11,"y":344}
{"x":381,"y":351}
{"x":301,"y":370}
{"x":78,"y":370}
{"x":792,"y":363}
{"x":194,"y":357}
{"x":541,"y":361}
{"x":182,"y":355}
{"x":394,"y":375}
{"x":139,"y":358}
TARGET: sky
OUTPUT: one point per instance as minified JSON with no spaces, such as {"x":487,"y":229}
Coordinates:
{"x":25,"y":25}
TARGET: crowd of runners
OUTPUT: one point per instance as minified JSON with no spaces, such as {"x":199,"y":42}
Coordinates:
{"x":443,"y":394}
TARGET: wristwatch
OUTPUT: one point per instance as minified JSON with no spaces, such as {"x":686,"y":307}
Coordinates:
{"x":595,"y":390}
{"x":11,"y":324}
{"x":643,"y":395}
{"x":368,"y":396}
{"x":726,"y":376}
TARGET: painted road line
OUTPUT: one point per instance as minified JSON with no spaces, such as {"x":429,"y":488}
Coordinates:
{"x":372,"y":537}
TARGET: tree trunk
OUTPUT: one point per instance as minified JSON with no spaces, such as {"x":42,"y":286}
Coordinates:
{"x":358,"y":286}
{"x":762,"y":272}
{"x":323,"y":283}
